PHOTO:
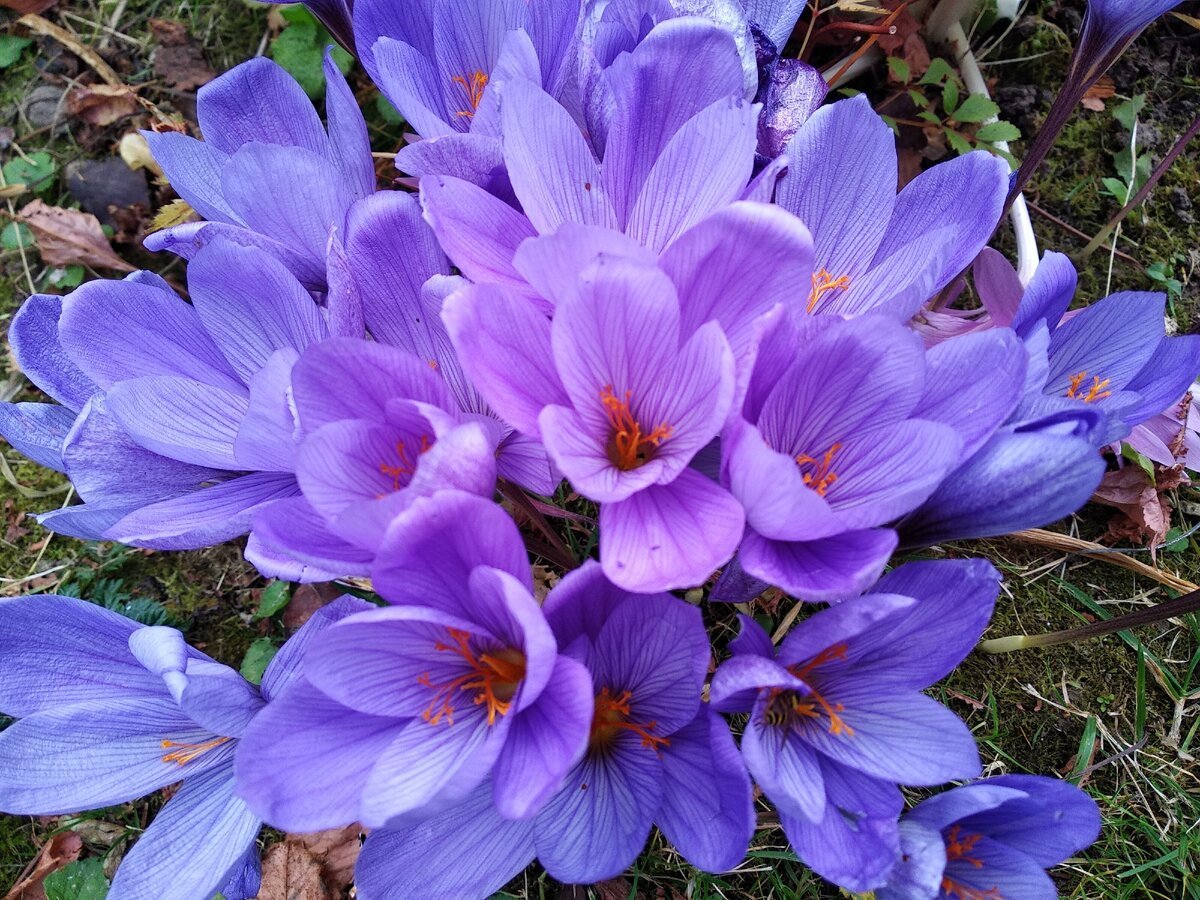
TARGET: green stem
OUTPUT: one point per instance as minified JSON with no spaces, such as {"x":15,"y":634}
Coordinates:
{"x":1180,"y":606}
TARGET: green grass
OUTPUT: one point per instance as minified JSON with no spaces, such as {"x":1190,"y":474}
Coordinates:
{"x":1118,"y":714}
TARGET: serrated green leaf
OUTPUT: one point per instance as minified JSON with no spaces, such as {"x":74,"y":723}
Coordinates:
{"x":275,"y":596}
{"x":255,"y":662}
{"x":16,"y":236}
{"x":81,"y":880}
{"x":950,"y":96}
{"x":35,"y":170}
{"x":918,"y":98}
{"x":930,"y":117}
{"x":957,"y":142}
{"x":998,"y":131}
{"x":939,"y":70}
{"x":976,"y":108}
{"x":899,"y":69}
{"x":11,"y":47}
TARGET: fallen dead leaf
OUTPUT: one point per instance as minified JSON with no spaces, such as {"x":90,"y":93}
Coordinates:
{"x":61,"y":850}
{"x":24,"y":7}
{"x":1098,"y":93}
{"x":337,"y":851}
{"x":135,"y":151}
{"x":1145,"y":506}
{"x":67,"y":237}
{"x":100,"y":104}
{"x":306,"y":600}
{"x":291,"y":872}
{"x":179,"y":59}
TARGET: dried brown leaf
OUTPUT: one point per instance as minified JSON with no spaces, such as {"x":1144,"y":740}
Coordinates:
{"x":100,"y":104}
{"x":1098,"y":93}
{"x":24,"y":7}
{"x":337,"y":851}
{"x":61,"y":850}
{"x":67,"y":237}
{"x":291,"y":872}
{"x":178,"y":58}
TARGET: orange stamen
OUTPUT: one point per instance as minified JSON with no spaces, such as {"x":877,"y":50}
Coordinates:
{"x":473,"y":84}
{"x":820,"y":478}
{"x":628,"y":448}
{"x":1095,"y":390}
{"x":407,"y":465}
{"x":823,"y":283}
{"x":612,"y":716}
{"x":784,"y":705}
{"x":188,"y":752}
{"x":494,"y":679}
{"x":958,"y":848}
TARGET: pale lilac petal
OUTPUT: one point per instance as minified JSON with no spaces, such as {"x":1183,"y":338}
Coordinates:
{"x":193,"y":842}
{"x":787,"y":769}
{"x":193,"y":169}
{"x":553,"y":263}
{"x":1048,"y":294}
{"x":707,"y":810}
{"x":292,"y":529}
{"x":824,"y":570}
{"x":33,"y":335}
{"x":671,"y":535}
{"x":266,"y":438}
{"x":349,"y":142}
{"x":408,"y":79}
{"x":583,"y":459}
{"x":998,"y":286}
{"x":285,"y":667}
{"x":545,"y":741}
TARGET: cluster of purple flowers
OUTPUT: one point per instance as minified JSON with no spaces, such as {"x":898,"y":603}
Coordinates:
{"x":640,"y":261}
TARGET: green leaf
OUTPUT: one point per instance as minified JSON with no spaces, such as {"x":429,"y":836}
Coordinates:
{"x":1143,"y":462}
{"x":35,"y":172}
{"x":387,"y":112}
{"x":976,"y":108}
{"x":939,"y":70}
{"x":950,"y":96}
{"x":11,"y":47}
{"x":918,"y":98}
{"x":899,"y":69}
{"x":1176,"y":541}
{"x":957,"y":142}
{"x":261,"y":652}
{"x":998,"y":131}
{"x":275,"y":596}
{"x":300,"y":49}
{"x":15,"y":236}
{"x":931,"y":117}
{"x":81,"y":880}
{"x":1127,"y":112}
{"x":67,"y":277}
{"x":1117,"y":188}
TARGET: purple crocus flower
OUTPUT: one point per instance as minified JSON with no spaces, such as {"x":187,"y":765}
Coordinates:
{"x":655,"y":754}
{"x":680,"y":146}
{"x":109,"y":711}
{"x":400,"y":295}
{"x":242,"y":177}
{"x":176,"y":438}
{"x":377,"y":429}
{"x":405,"y":710}
{"x":991,"y":838}
{"x":623,"y":396}
{"x":847,"y":426}
{"x":875,"y":249}
{"x":837,"y":719}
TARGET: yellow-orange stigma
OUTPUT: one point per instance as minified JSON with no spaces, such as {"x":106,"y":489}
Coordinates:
{"x":785,"y":705}
{"x":819,"y":478}
{"x":1096,"y":391}
{"x":958,"y":849}
{"x":473,"y":84}
{"x":493,"y":679}
{"x":185,"y":753}
{"x":628,"y":448}
{"x":406,"y":465}
{"x":823,"y":283}
{"x":612,"y":716}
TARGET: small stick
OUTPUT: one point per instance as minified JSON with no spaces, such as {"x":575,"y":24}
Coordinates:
{"x":39,"y":25}
{"x":1092,"y":550}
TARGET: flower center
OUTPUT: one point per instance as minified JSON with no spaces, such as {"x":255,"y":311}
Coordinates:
{"x":612,"y":717}
{"x":958,"y":849}
{"x":819,"y":477}
{"x":824,"y":283}
{"x":1095,"y":391}
{"x":785,"y":707}
{"x":401,"y":472}
{"x":185,"y":753}
{"x":492,"y":679}
{"x":473,"y":84}
{"x":628,"y":448}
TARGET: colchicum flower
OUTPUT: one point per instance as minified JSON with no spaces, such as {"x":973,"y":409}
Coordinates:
{"x":242,"y":177}
{"x":838,"y":720}
{"x":173,"y":434}
{"x":655,"y":754}
{"x":405,"y":710}
{"x":109,"y":711}
{"x":623,"y":397}
{"x":991,"y":838}
{"x":875,"y":249}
